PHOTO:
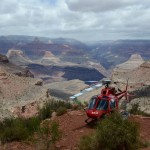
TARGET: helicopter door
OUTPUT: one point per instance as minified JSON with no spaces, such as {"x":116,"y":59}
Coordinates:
{"x":102,"y":104}
{"x":92,"y":102}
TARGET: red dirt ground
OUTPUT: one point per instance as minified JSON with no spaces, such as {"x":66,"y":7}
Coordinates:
{"x":73,"y":128}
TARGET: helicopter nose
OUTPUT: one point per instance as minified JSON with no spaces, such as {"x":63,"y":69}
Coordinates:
{"x":94,"y":114}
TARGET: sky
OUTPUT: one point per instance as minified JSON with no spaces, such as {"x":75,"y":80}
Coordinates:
{"x":85,"y":20}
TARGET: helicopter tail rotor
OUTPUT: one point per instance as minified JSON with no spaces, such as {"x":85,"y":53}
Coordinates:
{"x":127,"y":94}
{"x":126,"y":91}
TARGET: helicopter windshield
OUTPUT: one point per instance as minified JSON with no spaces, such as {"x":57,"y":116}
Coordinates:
{"x":102,"y":105}
{"x":92,"y":103}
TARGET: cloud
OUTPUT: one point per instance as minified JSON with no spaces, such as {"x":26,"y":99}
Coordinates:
{"x":99,"y":5}
{"x":82,"y":19}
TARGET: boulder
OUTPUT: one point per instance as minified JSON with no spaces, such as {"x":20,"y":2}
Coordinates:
{"x":39,"y":83}
{"x":4,"y":59}
{"x":25,"y":73}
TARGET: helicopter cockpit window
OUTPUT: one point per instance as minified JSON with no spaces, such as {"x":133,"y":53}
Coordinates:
{"x":102,"y":105}
{"x":92,"y":103}
{"x":112,"y":104}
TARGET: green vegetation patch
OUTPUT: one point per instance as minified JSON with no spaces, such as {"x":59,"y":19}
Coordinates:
{"x":136,"y":111}
{"x":142,"y":92}
{"x":52,"y":106}
{"x":18,"y":129}
{"x":61,"y":110}
{"x":113,"y":133}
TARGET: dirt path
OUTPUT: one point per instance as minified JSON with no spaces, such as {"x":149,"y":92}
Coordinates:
{"x":73,"y":126}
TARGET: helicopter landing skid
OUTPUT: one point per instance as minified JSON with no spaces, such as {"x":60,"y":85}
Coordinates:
{"x":91,"y":120}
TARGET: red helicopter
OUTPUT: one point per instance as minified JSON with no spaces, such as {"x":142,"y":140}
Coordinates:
{"x":105,"y":103}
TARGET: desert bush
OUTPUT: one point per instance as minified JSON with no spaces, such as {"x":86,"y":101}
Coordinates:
{"x":32,"y":124}
{"x":45,"y":111}
{"x":52,"y":106}
{"x":142,"y":92}
{"x":136,"y":111}
{"x":18,"y":129}
{"x":22,"y":129}
{"x":86,"y":104}
{"x":77,"y":105}
{"x":113,"y":133}
{"x":48,"y":134}
{"x":61,"y":110}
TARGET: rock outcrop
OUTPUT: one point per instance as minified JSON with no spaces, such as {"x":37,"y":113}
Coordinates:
{"x":138,"y":73}
{"x":18,"y":57}
{"x":3,"y":59}
{"x":14,"y":69}
{"x":122,"y":72}
{"x":25,"y":73}
{"x":141,"y":74}
{"x":134,"y":61}
{"x":50,"y":58}
{"x":39,"y":83}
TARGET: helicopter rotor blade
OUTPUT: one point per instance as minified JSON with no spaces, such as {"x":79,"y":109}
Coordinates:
{"x":119,"y":90}
{"x":127,"y":84}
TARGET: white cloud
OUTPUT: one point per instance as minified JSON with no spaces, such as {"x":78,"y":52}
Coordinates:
{"x":84,"y":20}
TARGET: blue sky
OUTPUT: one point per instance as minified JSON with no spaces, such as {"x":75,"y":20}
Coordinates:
{"x":51,"y":2}
{"x":84,"y":20}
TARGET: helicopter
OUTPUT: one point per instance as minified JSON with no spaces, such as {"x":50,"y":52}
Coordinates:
{"x":105,"y":103}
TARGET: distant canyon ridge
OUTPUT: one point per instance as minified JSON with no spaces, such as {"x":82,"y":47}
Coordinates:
{"x":63,"y":59}
{"x":33,"y":69}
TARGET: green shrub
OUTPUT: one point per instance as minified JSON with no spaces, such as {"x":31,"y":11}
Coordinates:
{"x":48,"y":134}
{"x":61,"y":110}
{"x":14,"y":133}
{"x":136,"y":111}
{"x":142,"y":92}
{"x":113,"y":133}
{"x":52,"y":106}
{"x":85,"y":104}
{"x":22,"y":129}
{"x":18,"y":129}
{"x":45,"y":111}
{"x":32,"y":124}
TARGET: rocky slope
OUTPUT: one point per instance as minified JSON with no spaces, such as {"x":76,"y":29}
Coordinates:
{"x":125,"y":70}
{"x":13,"y":69}
{"x":138,"y":73}
{"x":19,"y":91}
{"x":141,"y":74}
{"x":65,"y":89}
{"x":65,"y":72}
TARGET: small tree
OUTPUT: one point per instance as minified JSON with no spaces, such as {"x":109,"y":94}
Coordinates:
{"x":48,"y":134}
